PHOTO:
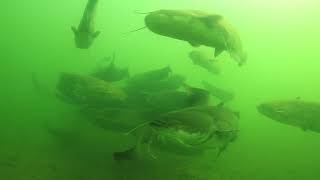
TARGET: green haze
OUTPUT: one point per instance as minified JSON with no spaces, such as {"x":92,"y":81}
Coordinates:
{"x":280,"y":37}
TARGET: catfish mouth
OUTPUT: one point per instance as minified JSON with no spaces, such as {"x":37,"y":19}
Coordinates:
{"x":271,"y":111}
{"x":82,"y":43}
{"x":173,"y":126}
{"x":83,"y":39}
{"x":265,"y":110}
{"x":181,"y":134}
{"x":183,"y":137}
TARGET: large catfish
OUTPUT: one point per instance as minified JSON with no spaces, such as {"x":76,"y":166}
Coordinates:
{"x":198,"y":28}
{"x":85,"y":34}
{"x":299,"y":113}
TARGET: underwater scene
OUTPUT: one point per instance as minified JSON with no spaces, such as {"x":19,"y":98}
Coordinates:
{"x":160,"y":90}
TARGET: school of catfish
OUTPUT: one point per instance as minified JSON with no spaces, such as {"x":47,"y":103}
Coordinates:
{"x":157,"y":107}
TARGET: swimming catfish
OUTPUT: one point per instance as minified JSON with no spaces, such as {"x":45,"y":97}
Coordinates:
{"x":182,"y":131}
{"x":85,"y":34}
{"x":186,"y":131}
{"x":198,"y":28}
{"x":208,"y":63}
{"x":196,"y":126}
{"x":88,"y":90}
{"x":148,"y":81}
{"x":221,"y":94}
{"x":297,"y":112}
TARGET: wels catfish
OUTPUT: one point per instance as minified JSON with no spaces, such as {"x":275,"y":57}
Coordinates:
{"x":198,"y":28}
{"x":299,"y":113}
{"x":88,"y":90}
{"x":85,"y":34}
{"x":208,"y":63}
{"x":219,"y":93}
{"x":200,"y":125}
{"x":187,"y":131}
{"x":148,"y":81}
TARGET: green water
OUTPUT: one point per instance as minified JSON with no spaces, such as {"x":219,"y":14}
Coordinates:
{"x":282,"y":41}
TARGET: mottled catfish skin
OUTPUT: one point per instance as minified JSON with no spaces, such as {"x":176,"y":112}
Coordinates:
{"x":85,"y":34}
{"x":198,"y":28}
{"x":299,"y":113}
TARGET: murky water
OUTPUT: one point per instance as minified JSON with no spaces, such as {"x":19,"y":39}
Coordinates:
{"x":43,"y":137}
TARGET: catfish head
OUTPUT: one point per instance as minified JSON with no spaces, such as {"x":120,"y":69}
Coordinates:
{"x":287,"y":112}
{"x":194,"y":120}
{"x":84,"y":39}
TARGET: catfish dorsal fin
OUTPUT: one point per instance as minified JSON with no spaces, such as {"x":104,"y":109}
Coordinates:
{"x":210,"y":20}
{"x":218,"y":51}
{"x":187,"y":87}
{"x":74,"y":29}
